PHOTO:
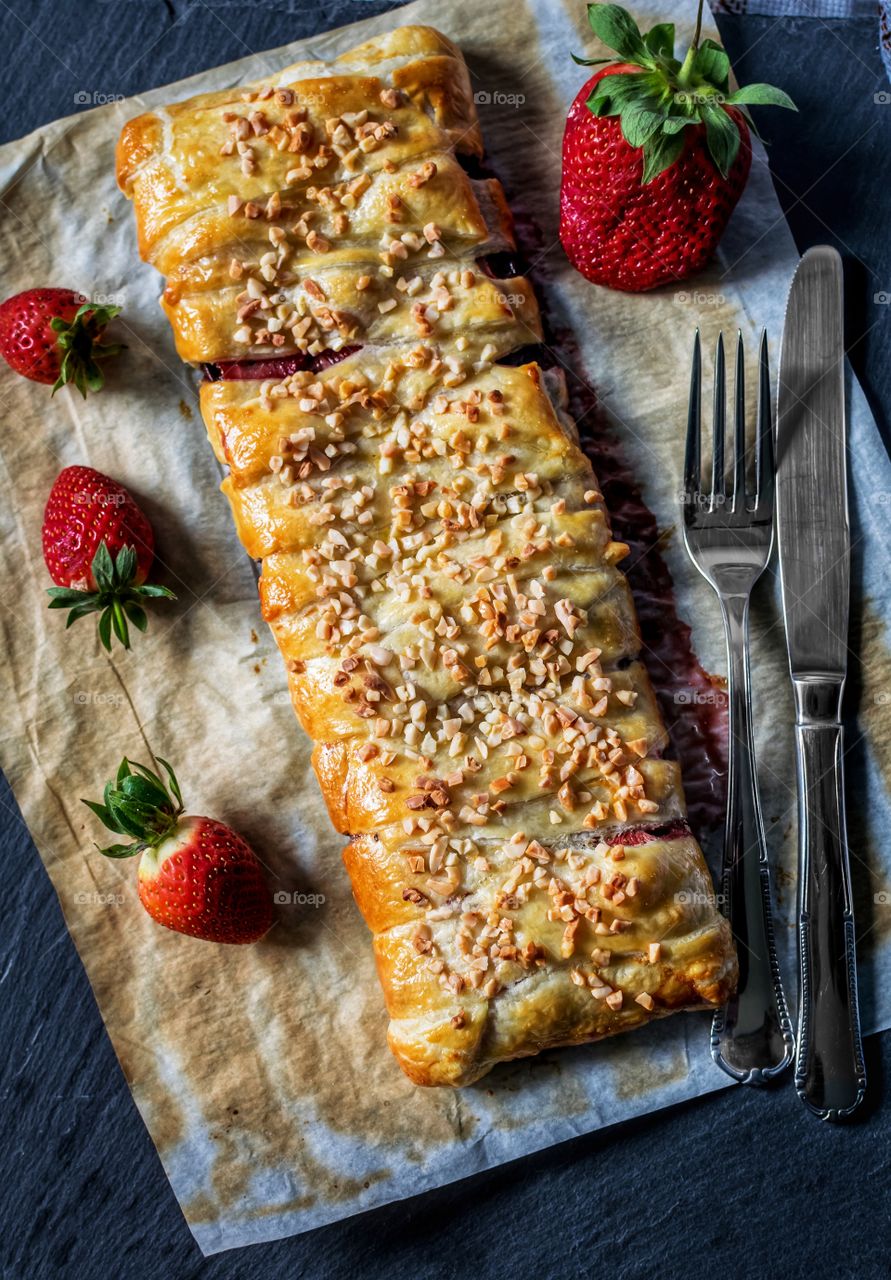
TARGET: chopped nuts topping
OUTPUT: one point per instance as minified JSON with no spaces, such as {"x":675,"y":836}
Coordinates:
{"x":440,"y":584}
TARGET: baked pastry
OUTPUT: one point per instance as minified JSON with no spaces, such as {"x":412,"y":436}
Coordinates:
{"x":438,"y":568}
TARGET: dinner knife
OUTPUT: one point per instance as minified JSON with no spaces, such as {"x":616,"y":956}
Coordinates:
{"x":814,"y":552}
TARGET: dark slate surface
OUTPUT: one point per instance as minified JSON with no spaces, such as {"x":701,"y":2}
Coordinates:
{"x":739,"y":1184}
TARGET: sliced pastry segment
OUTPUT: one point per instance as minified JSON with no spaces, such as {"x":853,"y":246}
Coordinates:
{"x":438,"y":568}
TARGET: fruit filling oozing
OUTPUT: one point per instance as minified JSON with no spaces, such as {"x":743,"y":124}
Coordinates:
{"x":677,"y":829}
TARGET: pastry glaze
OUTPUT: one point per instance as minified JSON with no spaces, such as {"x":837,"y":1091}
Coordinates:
{"x":438,"y":567}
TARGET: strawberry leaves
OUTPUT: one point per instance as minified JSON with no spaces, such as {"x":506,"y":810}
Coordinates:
{"x":722,"y":137}
{"x":659,"y":40}
{"x":660,"y":154}
{"x":116,"y":598}
{"x":616,"y":28}
{"x":710,"y":66}
{"x":761,"y":95}
{"x":138,"y":803}
{"x":657,"y":104}
{"x":78,"y":349}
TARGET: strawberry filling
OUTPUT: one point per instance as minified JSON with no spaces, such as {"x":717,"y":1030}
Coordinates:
{"x":275,"y":367}
{"x":677,"y":829}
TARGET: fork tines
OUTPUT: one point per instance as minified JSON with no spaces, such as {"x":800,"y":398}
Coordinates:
{"x":695,"y":501}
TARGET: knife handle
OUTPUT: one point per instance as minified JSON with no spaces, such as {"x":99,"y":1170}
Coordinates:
{"x":830,"y":1076}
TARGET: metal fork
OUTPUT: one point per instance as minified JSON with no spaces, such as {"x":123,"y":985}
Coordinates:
{"x":728,"y":533}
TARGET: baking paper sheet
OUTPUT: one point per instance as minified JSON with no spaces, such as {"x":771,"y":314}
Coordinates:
{"x":262,"y":1073}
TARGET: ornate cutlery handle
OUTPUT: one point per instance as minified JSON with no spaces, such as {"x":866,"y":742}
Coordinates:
{"x":752,"y":1037}
{"x":829,"y":1075}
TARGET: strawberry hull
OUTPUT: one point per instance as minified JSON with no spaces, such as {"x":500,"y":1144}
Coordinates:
{"x":27,"y":341}
{"x":52,"y":336}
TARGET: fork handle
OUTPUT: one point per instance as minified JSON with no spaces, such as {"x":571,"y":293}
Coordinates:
{"x":752,"y":1038}
{"x":830,"y":1076}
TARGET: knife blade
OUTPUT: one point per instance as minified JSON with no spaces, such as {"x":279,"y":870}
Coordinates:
{"x":812,"y":506}
{"x":814,"y":554}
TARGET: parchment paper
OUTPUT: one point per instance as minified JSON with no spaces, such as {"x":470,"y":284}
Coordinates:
{"x":262,"y":1073}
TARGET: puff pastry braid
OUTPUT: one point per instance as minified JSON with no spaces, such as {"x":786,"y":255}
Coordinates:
{"x":438,"y":568}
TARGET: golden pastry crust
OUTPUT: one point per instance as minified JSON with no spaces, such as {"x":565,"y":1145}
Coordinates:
{"x":438,"y":567}
{"x":336,"y":157}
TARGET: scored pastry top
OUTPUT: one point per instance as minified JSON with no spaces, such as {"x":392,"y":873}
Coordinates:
{"x":426,"y":605}
{"x":438,"y":567}
{"x":315,"y":209}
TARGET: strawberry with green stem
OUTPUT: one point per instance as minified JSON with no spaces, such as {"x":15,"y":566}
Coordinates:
{"x":195,"y":875}
{"x":52,"y":336}
{"x":656,"y":153}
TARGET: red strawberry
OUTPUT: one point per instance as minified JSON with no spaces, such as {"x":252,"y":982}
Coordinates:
{"x":655,"y":156}
{"x":98,"y":547}
{"x":50,"y":335}
{"x":195,"y":875}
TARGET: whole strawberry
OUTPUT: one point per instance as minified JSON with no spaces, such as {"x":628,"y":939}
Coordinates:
{"x":99,"y":547}
{"x":51,"y":335}
{"x":195,"y":875}
{"x":656,"y":153}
